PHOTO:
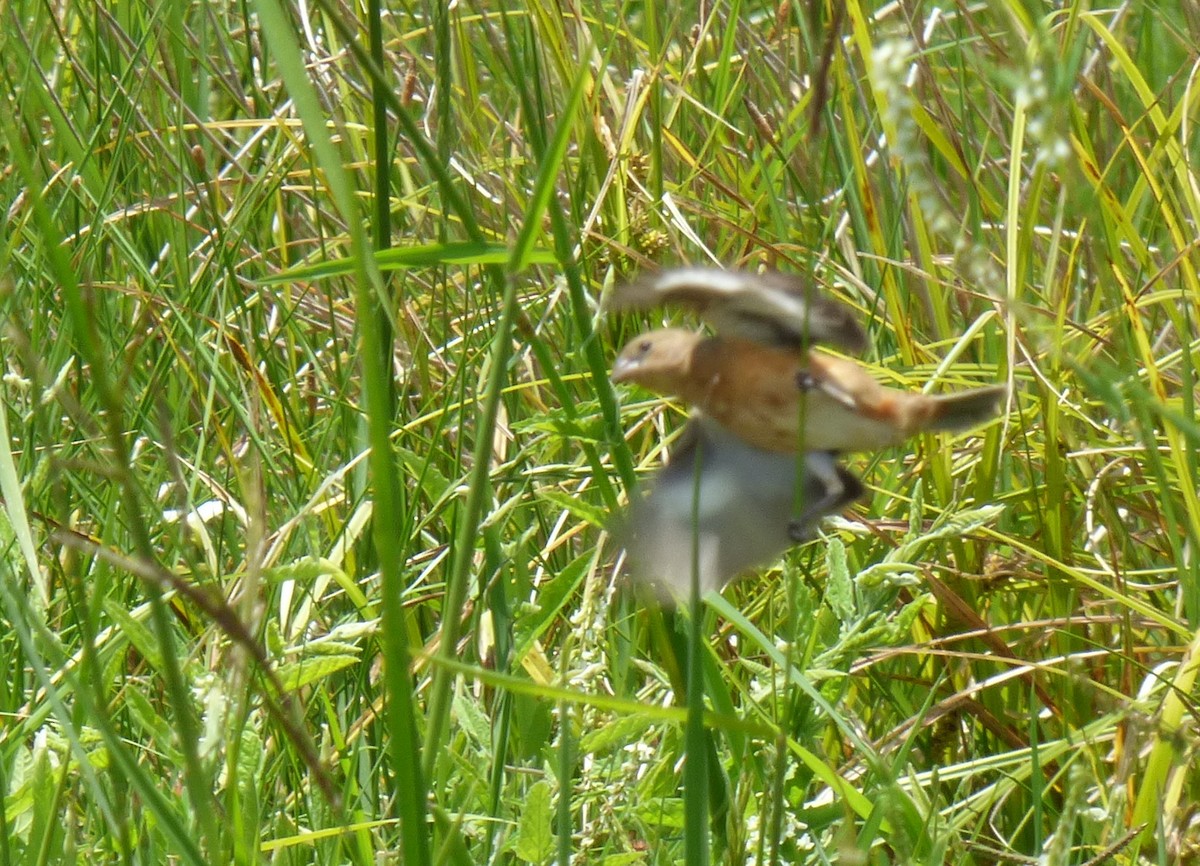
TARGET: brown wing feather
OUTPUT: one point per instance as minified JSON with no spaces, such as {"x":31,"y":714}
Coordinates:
{"x":774,"y":309}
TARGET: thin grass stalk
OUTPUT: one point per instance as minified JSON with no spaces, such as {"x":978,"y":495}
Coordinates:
{"x":381,"y":226}
{"x":388,"y":502}
{"x":82,"y":323}
{"x":438,"y":706}
{"x":439,"y":696}
{"x":695,"y":763}
{"x":89,"y":690}
{"x":498,"y":357}
{"x":478,"y":490}
{"x":502,"y":710}
{"x":1037,"y":778}
{"x":565,"y":244}
{"x":566,"y":760}
{"x":654,"y":48}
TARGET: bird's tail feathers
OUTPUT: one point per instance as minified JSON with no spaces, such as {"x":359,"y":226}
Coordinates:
{"x":957,"y":412}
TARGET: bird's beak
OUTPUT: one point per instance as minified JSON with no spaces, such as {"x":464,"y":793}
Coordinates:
{"x":623,"y":370}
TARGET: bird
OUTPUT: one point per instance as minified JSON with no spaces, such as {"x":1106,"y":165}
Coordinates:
{"x":722,"y":506}
{"x":786,"y":400}
{"x":761,"y":380}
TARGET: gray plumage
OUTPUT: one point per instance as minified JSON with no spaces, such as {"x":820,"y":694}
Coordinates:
{"x":772,"y":308}
{"x":723,"y":507}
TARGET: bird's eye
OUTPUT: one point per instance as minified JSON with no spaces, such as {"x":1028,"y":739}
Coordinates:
{"x":645,"y":346}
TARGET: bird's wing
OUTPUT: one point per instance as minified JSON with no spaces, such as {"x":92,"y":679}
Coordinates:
{"x":721,"y":507}
{"x":772,"y":308}
{"x":817,"y":382}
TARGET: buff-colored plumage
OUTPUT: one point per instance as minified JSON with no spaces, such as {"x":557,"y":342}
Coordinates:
{"x":771,"y":414}
{"x":787,"y":400}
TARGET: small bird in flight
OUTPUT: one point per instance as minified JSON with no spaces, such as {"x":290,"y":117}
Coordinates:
{"x":722,"y":506}
{"x":771,"y":415}
{"x":760,"y":378}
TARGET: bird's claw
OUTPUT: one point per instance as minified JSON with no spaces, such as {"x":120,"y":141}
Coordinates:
{"x":803,"y":527}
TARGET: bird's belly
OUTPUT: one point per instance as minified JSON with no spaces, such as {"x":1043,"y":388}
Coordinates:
{"x":771,"y":416}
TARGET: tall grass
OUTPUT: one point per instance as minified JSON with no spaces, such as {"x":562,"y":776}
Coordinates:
{"x":312,"y":449}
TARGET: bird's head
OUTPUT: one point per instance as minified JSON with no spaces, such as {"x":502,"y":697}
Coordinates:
{"x":657,"y":360}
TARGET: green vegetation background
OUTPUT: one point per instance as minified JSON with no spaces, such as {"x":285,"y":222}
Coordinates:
{"x":243,"y":244}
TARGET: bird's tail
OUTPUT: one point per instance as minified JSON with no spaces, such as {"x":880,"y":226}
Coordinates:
{"x":966,"y":409}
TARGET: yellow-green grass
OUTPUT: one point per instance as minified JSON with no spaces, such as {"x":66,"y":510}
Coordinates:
{"x":312,"y":446}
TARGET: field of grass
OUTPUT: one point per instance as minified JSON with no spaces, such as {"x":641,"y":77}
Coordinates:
{"x":311,"y":447}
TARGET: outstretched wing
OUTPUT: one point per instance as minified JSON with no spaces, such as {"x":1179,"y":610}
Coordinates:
{"x":772,"y":308}
{"x":721,"y":507}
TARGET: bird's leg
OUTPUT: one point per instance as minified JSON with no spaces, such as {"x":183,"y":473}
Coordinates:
{"x":806,"y":381}
{"x":838,"y":487}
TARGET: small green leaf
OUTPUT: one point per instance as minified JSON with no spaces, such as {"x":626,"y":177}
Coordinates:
{"x":551,"y":598}
{"x":839,"y":592}
{"x":616,"y":734}
{"x":471,"y":719}
{"x":576,"y":507}
{"x":135,"y":632}
{"x":535,"y":833}
{"x":311,"y":670}
{"x":664,"y":812}
{"x":918,"y":508}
